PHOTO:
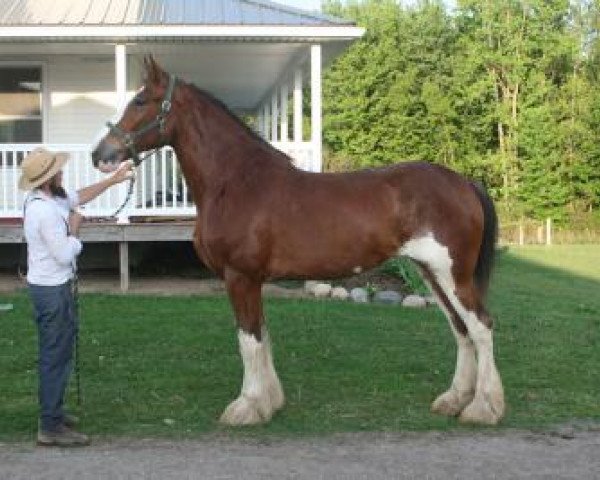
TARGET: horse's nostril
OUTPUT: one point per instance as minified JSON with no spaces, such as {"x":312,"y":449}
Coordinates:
{"x":95,"y":158}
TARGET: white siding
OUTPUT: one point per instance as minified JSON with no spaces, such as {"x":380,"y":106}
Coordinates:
{"x":81,"y":93}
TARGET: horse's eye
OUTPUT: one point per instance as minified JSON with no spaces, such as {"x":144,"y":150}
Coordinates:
{"x":139,"y":101}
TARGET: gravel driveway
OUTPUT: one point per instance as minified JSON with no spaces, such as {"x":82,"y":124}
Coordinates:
{"x":565,"y":453}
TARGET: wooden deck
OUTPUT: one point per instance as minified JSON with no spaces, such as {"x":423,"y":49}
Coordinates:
{"x":111,"y":232}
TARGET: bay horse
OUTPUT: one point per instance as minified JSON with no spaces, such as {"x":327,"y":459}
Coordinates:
{"x":260,"y":218}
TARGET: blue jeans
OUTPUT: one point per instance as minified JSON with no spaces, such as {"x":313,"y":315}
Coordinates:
{"x":57,"y":324}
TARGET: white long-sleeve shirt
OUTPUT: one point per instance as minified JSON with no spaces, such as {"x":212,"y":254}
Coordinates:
{"x":51,"y":251}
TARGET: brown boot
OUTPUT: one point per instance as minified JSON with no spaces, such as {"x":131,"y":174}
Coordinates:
{"x":62,"y":437}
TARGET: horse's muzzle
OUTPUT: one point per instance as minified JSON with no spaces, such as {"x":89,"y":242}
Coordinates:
{"x":106,"y":157}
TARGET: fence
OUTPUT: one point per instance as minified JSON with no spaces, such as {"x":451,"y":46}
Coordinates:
{"x":545,"y":232}
{"x":160,"y":189}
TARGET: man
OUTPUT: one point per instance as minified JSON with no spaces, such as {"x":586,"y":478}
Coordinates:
{"x":51,"y":227}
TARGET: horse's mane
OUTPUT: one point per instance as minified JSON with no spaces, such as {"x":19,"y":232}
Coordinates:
{"x":253,"y":134}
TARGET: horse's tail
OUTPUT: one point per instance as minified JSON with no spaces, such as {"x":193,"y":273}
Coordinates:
{"x":485,"y":261}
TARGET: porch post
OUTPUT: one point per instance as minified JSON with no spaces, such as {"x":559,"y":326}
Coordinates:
{"x":268,"y":114}
{"x":298,"y":106}
{"x":263,"y":120}
{"x":121,"y":99}
{"x":260,"y":121}
{"x":283,"y":135}
{"x":274,"y":116}
{"x":315,"y":107}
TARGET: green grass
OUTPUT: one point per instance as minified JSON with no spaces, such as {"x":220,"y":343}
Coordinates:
{"x":344,"y":367}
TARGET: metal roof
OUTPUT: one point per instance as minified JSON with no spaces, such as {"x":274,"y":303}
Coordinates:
{"x":158,"y":12}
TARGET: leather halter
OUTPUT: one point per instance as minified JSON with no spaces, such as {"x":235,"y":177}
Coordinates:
{"x":129,"y":138}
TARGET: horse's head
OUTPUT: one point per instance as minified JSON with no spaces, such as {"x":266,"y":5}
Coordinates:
{"x":146,"y":122}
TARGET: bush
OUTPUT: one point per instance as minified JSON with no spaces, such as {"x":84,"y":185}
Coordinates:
{"x":405,"y":270}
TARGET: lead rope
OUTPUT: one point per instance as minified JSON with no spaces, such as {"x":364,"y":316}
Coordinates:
{"x":77,"y":349}
{"x":75,"y":292}
{"x":137,"y":160}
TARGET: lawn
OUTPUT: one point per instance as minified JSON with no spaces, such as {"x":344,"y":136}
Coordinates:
{"x":167,"y":366}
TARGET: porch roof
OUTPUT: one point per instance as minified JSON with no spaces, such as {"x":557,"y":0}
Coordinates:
{"x":236,"y":49}
{"x":165,"y":20}
{"x":158,"y":12}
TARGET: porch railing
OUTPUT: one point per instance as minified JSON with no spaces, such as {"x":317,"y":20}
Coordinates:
{"x":160,"y":189}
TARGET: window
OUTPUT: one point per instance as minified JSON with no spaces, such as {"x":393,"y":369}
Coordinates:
{"x":20,"y":104}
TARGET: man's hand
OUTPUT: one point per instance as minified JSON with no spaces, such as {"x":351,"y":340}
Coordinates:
{"x":124,"y":172}
{"x":75,"y":220}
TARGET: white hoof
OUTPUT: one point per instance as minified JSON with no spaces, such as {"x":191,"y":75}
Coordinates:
{"x":451,"y":402}
{"x":245,"y":411}
{"x":482,"y":410}
{"x":276,"y":396}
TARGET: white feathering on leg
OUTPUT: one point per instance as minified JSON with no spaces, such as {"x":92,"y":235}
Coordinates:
{"x":261,"y":391}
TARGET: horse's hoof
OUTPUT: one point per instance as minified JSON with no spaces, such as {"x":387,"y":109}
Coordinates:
{"x":482,"y":411}
{"x":276,"y":396}
{"x":450,"y":403}
{"x":244,"y":411}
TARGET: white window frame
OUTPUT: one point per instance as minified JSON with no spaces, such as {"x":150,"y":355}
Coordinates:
{"x":45,"y":100}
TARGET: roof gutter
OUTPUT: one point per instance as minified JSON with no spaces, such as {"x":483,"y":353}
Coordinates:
{"x":60,"y":33}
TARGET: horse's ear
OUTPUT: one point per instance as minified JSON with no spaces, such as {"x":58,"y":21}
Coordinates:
{"x":153,"y":71}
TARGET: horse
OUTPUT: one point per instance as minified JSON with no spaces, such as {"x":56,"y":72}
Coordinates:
{"x":260,"y":218}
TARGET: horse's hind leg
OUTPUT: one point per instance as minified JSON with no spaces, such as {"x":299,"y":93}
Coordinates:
{"x":462,"y":388}
{"x":261,"y":394}
{"x":487,"y":405}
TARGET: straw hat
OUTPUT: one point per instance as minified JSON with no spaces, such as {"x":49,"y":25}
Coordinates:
{"x":39,"y":166}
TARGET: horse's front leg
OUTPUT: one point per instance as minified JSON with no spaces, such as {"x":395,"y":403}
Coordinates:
{"x":261,"y":393}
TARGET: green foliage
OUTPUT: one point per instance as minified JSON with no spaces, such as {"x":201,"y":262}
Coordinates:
{"x":404,"y":269}
{"x":504,"y":92}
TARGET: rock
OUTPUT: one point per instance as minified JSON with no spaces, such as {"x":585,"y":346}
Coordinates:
{"x":340,"y":293}
{"x":388,"y":296}
{"x":309,"y":286}
{"x":414,"y":301}
{"x":359,"y":295}
{"x":430,"y":300}
{"x":321,"y":290}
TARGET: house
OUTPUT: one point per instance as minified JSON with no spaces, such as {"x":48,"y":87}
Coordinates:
{"x":66,"y":67}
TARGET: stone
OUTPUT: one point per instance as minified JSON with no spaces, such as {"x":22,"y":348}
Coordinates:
{"x":309,"y":286}
{"x":359,"y":295}
{"x":340,"y":293}
{"x":430,"y":300}
{"x":414,"y":301}
{"x":321,"y":290}
{"x":388,"y":296}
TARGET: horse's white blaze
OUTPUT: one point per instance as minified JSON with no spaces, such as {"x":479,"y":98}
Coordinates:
{"x":261,"y":391}
{"x":357,"y":270}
